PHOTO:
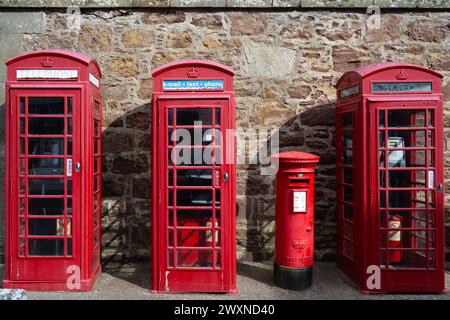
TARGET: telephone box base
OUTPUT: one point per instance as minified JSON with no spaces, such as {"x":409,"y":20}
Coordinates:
{"x":85,"y":285}
{"x":292,"y":279}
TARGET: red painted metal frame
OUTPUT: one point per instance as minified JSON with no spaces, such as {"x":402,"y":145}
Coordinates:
{"x":48,"y":272}
{"x":193,"y":279}
{"x":367,"y":227}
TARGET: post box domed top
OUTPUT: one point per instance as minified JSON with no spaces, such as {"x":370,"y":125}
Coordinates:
{"x":296,"y":157}
{"x":366,"y":71}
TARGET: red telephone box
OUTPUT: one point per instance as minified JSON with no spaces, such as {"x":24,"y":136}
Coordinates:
{"x":53,"y":171}
{"x":390,"y":176}
{"x":193,"y":178}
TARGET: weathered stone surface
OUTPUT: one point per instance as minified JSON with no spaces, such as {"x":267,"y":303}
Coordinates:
{"x":249,"y":3}
{"x":390,"y":29}
{"x":122,"y":66}
{"x":95,"y":38}
{"x":319,"y":116}
{"x":138,"y":120}
{"x":428,"y":31}
{"x":336,"y":3}
{"x":210,"y":21}
{"x":268,"y":61}
{"x":22,"y":22}
{"x":168,"y":17}
{"x":250,"y":24}
{"x":114,"y":140}
{"x":130,"y":164}
{"x":137,"y":38}
{"x":198,"y":3}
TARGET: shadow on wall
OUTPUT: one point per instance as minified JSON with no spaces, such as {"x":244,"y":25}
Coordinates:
{"x":311,"y":131}
{"x":126,"y":189}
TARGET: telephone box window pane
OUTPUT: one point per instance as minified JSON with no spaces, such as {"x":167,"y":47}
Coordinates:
{"x":202,"y":218}
{"x":69,"y":105}
{"x":194,"y":177}
{"x":46,"y":247}
{"x":45,"y":166}
{"x":348,"y":176}
{"x":21,"y":166}
{"x":69,"y":146}
{"x":348,"y":194}
{"x":407,"y":199}
{"x":347,"y":230}
{"x":170,"y":117}
{"x":190,"y":157}
{"x":218,"y":112}
{"x":45,"y":146}
{"x":406,"y":118}
{"x":348,"y":212}
{"x":22,"y":227}
{"x":46,"y":207}
{"x":348,"y":139}
{"x":196,"y":198}
{"x":381,"y":118}
{"x":194,"y":258}
{"x":46,"y":105}
{"x":69,"y":187}
{"x":194,"y":137}
{"x":196,"y":238}
{"x":407,"y":179}
{"x":22,"y":105}
{"x":69,"y":206}
{"x":348,"y":249}
{"x":46,"y":126}
{"x":347,"y":120}
{"x":46,"y":227}
{"x":22,"y":247}
{"x":69,"y":247}
{"x":46,"y":186}
{"x":22,"y":146}
{"x":431,"y":118}
{"x":347,"y":157}
{"x":190,"y":117}
{"x":218,"y":201}
{"x":22,"y":186}
{"x":69,"y":125}
{"x":22,"y":126}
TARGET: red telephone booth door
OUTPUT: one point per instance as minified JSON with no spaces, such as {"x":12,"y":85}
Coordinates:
{"x":195,"y":224}
{"x":407,"y":148}
{"x":44,"y":136}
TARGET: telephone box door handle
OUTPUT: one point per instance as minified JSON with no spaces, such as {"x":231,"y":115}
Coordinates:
{"x":225,"y":177}
{"x":77,"y":167}
{"x":439,"y":187}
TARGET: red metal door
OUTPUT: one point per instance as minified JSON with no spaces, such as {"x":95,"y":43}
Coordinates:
{"x":45,"y":193}
{"x":406,"y":145}
{"x":194,"y":219}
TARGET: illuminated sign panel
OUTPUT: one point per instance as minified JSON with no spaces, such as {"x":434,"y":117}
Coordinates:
{"x":351,"y":91}
{"x":46,"y":74}
{"x":193,"y":84}
{"x":401,"y":87}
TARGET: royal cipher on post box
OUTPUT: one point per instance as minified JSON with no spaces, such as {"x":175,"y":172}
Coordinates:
{"x":193,"y":178}
{"x":294,"y":220}
{"x":390,"y":178}
{"x":53,"y":171}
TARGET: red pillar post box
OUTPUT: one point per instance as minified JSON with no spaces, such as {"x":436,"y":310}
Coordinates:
{"x":53,"y":171}
{"x":294,"y":222}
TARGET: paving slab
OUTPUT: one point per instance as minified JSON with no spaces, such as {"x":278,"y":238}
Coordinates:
{"x":254,"y":281}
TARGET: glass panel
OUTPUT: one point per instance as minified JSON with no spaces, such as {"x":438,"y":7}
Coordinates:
{"x":196,"y":238}
{"x":96,"y":127}
{"x":191,"y":157}
{"x":407,"y":179}
{"x":22,"y":126}
{"x":404,"y":199}
{"x":406,"y":118}
{"x":45,"y":146}
{"x":69,"y":206}
{"x":69,"y":125}
{"x":193,"y":177}
{"x":348,"y":249}
{"x":404,"y":258}
{"x":218,"y":112}
{"x":46,"y":105}
{"x":348,"y":194}
{"x":22,"y":105}
{"x":381,"y":118}
{"x":69,"y":105}
{"x":170,"y":117}
{"x":22,"y":247}
{"x":218,"y":259}
{"x":170,"y":258}
{"x":190,"y":116}
{"x":69,"y":247}
{"x":218,"y":198}
{"x":69,"y":187}
{"x":45,"y":207}
{"x":46,"y":186}
{"x":22,"y":227}
{"x":348,"y":212}
{"x":69,"y":146}
{"x":194,"y":137}
{"x":46,"y":126}
{"x":46,"y":247}
{"x":347,"y":120}
{"x":347,"y":157}
{"x":22,"y":146}
{"x":431,"y":118}
{"x":69,"y":227}
{"x":199,"y":218}
{"x":409,"y":138}
{"x":45,"y":166}
{"x":404,"y":158}
{"x":195,"y":198}
{"x":22,"y":186}
{"x":348,"y":176}
{"x":347,"y":141}
{"x":21,"y":166}
{"x":347,"y":230}
{"x":96,"y":145}
{"x":46,"y":227}
{"x":194,"y":258}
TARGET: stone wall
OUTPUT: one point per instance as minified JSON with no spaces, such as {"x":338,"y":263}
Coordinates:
{"x":286,"y":63}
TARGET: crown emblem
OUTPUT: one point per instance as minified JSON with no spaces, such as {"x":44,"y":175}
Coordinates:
{"x":193,"y":73}
{"x":401,"y":75}
{"x":299,"y":244}
{"x":47,"y":62}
